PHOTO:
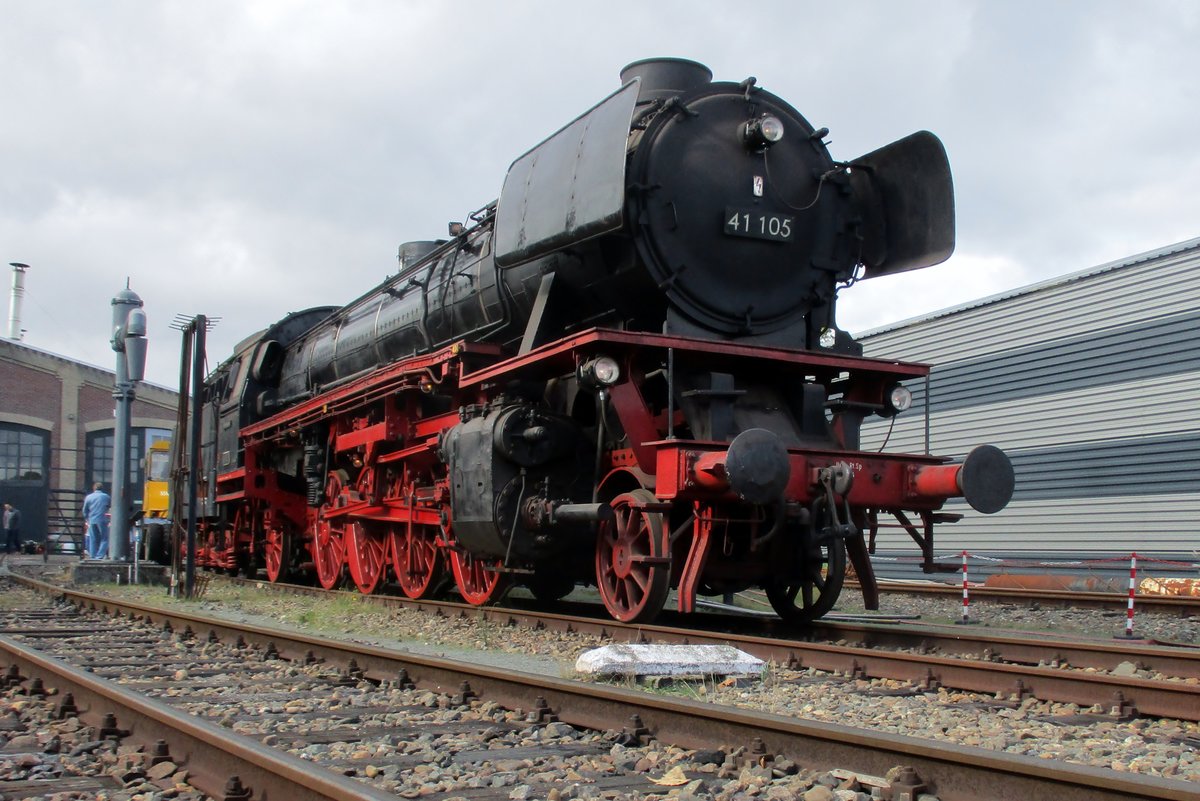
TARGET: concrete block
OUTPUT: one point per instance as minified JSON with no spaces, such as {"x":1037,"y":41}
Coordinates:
{"x":102,"y":571}
{"x":668,"y":660}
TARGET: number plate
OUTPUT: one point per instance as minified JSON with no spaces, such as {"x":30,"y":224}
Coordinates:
{"x":757,"y":223}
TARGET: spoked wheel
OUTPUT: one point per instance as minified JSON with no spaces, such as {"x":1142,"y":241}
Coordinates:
{"x":478,"y":580}
{"x":633,"y":573}
{"x":328,"y":542}
{"x":812,"y":592}
{"x":414,"y":558}
{"x":277,"y":553}
{"x":329,"y":554}
{"x":367,"y":555}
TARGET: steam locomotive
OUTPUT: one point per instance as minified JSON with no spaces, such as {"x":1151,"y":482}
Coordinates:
{"x":625,"y":372}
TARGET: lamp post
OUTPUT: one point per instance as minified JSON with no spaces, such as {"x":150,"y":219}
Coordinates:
{"x":129,"y":341}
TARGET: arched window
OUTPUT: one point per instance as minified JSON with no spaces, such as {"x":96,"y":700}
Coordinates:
{"x":25,"y":475}
{"x":24,"y":453}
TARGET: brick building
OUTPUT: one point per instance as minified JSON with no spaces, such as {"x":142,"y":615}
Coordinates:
{"x":56,"y":435}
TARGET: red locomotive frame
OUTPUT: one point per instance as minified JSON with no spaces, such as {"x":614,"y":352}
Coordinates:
{"x":386,"y":507}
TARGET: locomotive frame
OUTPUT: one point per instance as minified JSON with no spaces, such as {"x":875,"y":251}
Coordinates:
{"x":385,"y":517}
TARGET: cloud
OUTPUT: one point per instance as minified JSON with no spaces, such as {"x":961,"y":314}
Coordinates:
{"x":249,"y":159}
{"x":963,"y":278}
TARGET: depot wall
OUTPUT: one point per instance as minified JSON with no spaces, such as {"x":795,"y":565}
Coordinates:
{"x":1091,"y":383}
{"x":54,"y":413}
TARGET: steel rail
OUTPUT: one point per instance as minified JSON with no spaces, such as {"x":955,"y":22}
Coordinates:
{"x":210,"y":753}
{"x":953,"y":772}
{"x":1025,"y":673}
{"x":1184,"y":606}
{"x":1031,"y":648}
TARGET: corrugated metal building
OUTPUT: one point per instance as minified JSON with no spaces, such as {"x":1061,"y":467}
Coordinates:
{"x":1091,"y":384}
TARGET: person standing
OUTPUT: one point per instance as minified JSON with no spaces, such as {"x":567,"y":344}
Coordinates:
{"x":95,"y":513}
{"x":12,"y":529}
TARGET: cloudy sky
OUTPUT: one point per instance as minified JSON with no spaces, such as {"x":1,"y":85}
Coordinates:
{"x":244,"y":159}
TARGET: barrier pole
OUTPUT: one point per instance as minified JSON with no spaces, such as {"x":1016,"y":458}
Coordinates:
{"x":1132,"y":590}
{"x":966,"y":614}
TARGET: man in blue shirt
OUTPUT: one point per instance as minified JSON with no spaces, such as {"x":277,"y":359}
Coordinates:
{"x":95,"y":513}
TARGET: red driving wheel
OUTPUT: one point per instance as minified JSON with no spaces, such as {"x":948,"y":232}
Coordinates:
{"x":479,"y":581}
{"x":328,"y":545}
{"x":367,"y":556}
{"x":414,"y":558}
{"x":277,"y":553}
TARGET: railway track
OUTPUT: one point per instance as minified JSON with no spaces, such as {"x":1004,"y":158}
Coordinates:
{"x":1122,"y":678}
{"x":1183,"y":606}
{"x":238,"y":659}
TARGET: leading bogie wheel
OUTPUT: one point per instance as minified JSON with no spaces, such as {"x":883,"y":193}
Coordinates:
{"x":813,"y":589}
{"x":633,"y":568}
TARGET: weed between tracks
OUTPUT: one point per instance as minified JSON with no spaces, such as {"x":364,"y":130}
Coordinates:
{"x":353,"y":617}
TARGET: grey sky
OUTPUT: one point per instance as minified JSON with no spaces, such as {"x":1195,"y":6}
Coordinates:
{"x":246,"y":159}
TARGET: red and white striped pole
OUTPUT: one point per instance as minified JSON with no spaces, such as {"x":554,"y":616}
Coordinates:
{"x":966,"y":614}
{"x":1132,"y":590}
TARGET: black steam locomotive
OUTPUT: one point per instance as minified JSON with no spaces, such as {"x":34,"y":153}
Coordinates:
{"x":625,"y":372}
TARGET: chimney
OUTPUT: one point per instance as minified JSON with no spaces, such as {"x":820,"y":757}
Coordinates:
{"x":666,"y":77}
{"x":14,"y":306}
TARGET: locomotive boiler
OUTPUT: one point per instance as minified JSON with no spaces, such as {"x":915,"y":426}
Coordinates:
{"x":624,"y":372}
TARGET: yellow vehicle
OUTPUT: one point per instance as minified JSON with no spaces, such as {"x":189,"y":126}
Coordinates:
{"x":156,"y":503}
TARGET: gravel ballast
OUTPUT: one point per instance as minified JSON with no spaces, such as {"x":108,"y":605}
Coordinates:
{"x":1038,"y":729}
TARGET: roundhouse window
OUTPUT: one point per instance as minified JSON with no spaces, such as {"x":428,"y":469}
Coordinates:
{"x":23,"y":453}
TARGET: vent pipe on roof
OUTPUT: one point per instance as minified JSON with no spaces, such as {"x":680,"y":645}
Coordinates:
{"x":14,"y":306}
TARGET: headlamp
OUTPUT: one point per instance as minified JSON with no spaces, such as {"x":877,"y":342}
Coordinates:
{"x":761,"y":131}
{"x":898,"y":399}
{"x":602,"y":371}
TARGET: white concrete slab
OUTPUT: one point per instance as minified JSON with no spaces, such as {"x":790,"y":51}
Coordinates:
{"x":668,"y":660}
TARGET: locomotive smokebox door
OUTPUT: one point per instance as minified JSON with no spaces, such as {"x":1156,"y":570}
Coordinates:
{"x":569,"y":188}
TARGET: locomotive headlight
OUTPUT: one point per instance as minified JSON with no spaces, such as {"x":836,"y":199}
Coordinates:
{"x":762,"y":131}
{"x":771,"y":129}
{"x":899,"y":399}
{"x":603,"y":371}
